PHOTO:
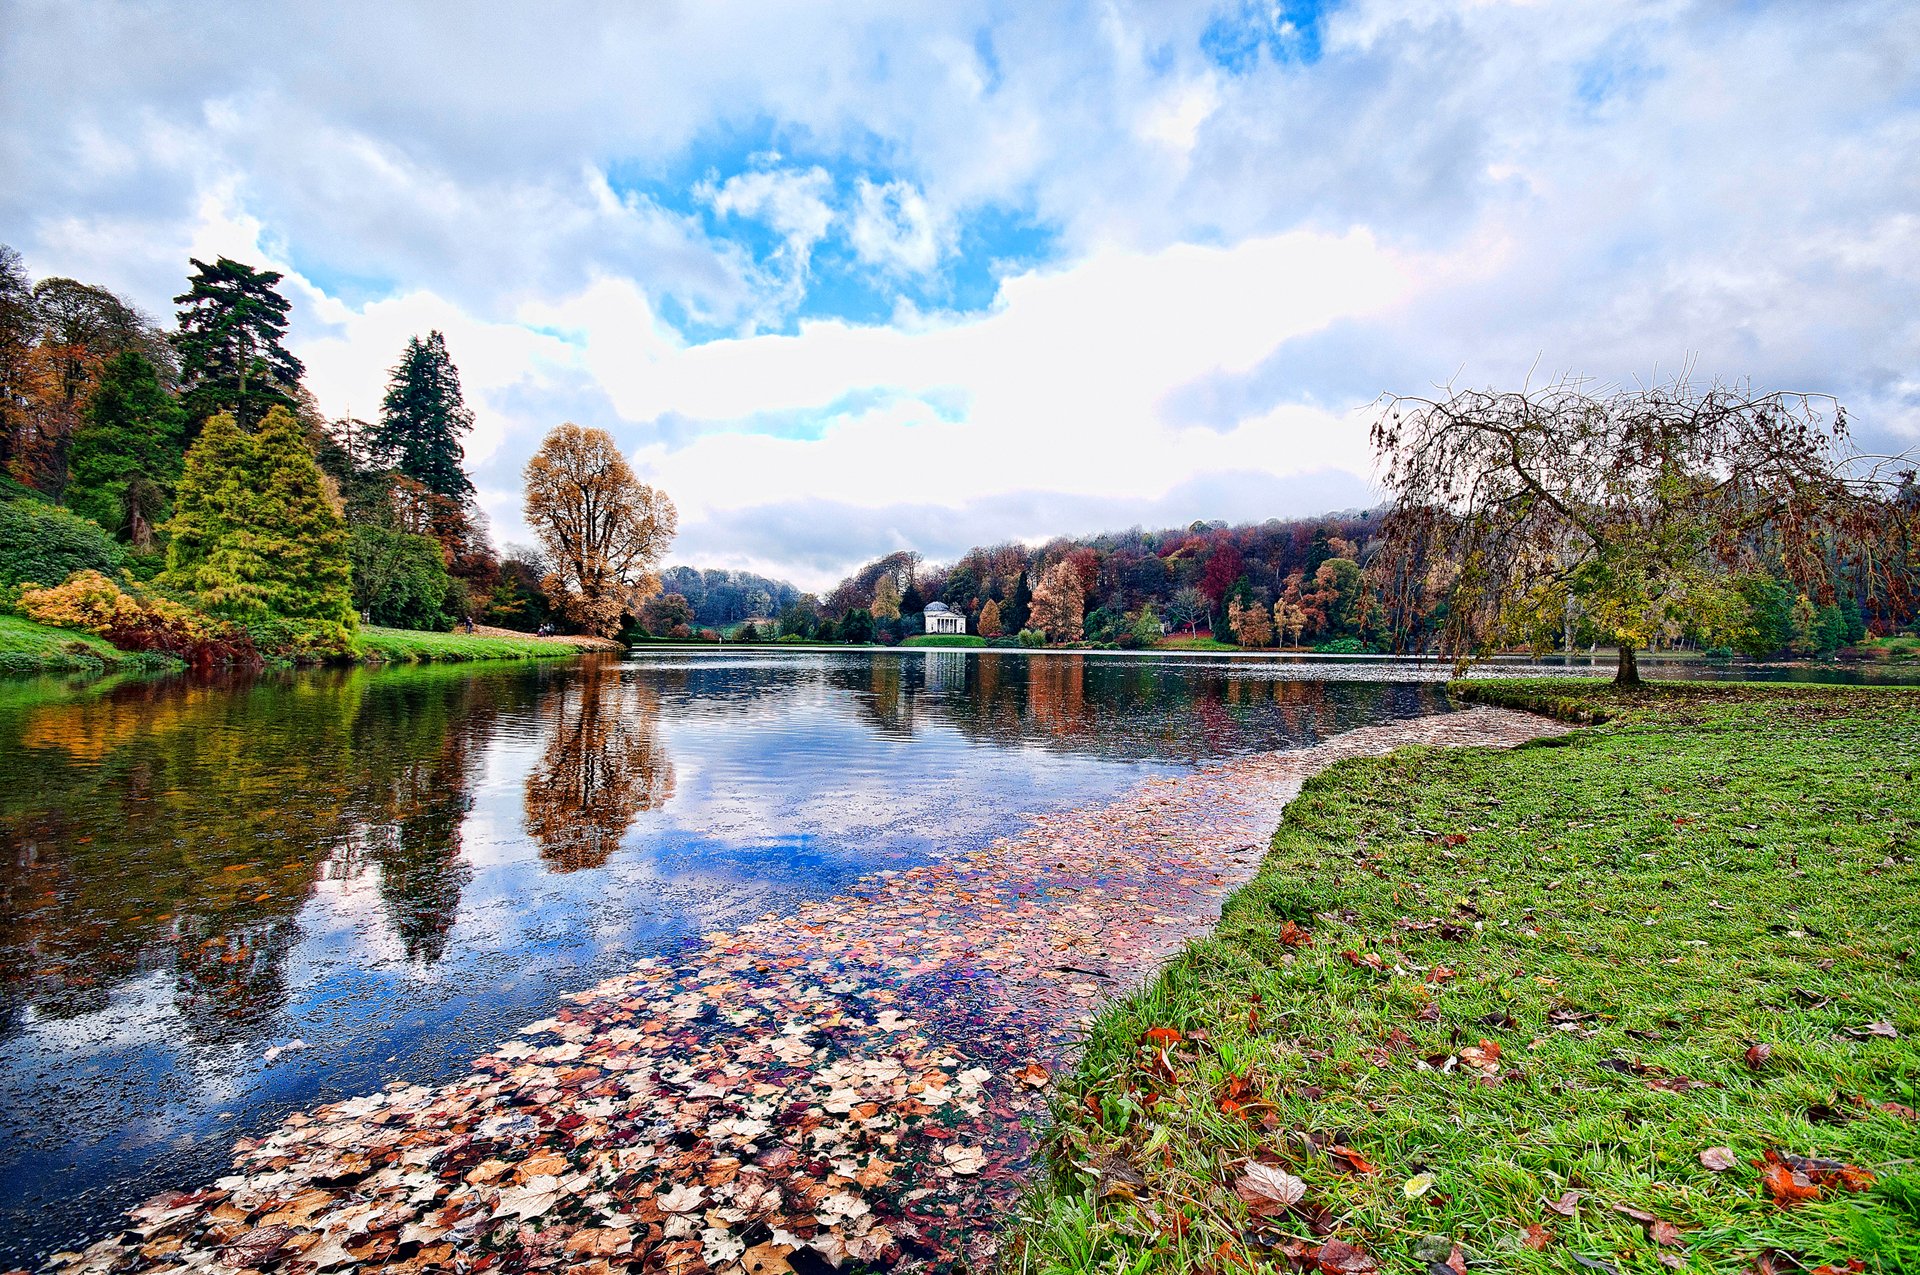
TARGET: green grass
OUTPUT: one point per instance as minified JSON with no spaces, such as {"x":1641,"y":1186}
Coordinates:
{"x":1901,"y":647}
{"x":29,"y":649}
{"x":944,"y":639}
{"x":398,"y":646}
{"x":1712,"y":867}
{"x":1193,"y":643}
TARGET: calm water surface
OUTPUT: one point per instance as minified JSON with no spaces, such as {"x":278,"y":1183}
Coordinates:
{"x":222,"y":902}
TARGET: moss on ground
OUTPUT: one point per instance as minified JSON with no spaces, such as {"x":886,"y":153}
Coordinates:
{"x":1597,"y":960}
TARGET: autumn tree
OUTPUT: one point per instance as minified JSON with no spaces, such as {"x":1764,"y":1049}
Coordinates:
{"x":231,"y":323}
{"x":602,"y":766}
{"x":1636,"y":506}
{"x":1059,"y":604}
{"x":1252,"y":624}
{"x":988,"y":625}
{"x":604,"y":531}
{"x":886,"y":599}
{"x":422,"y":419}
{"x":254,"y":534}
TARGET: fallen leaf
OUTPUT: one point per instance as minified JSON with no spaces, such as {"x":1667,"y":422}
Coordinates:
{"x":1294,"y":935}
{"x":1757,"y":1055}
{"x":1336,"y":1257}
{"x":965,"y":1161}
{"x":682,"y":1198}
{"x":1350,"y":1159}
{"x":1789,"y":1187}
{"x":1266,"y":1190}
{"x":1567,"y":1205}
{"x":1638,"y":1215}
{"x":257,"y":1246}
{"x":1033,"y":1075}
{"x":1873,"y":1029}
{"x":1596,"y":1264}
{"x":1538,"y":1237}
{"x":1719,"y":1159}
{"x":1417,"y":1185}
{"x":1665,"y":1234}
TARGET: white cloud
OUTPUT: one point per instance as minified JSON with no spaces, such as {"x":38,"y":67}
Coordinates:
{"x":1239,"y":257}
{"x":895,"y":228}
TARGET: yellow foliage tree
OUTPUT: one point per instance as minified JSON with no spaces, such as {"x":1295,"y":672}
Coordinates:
{"x":989,"y":623}
{"x":604,"y":531}
{"x":1059,"y":604}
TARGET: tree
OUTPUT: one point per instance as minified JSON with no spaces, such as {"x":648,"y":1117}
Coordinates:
{"x":1146,"y":626}
{"x":886,"y":599}
{"x":1185,"y":608}
{"x":400,"y":579}
{"x":988,"y":625}
{"x":1059,"y":603}
{"x":231,"y":360}
{"x":126,"y":456}
{"x":1635,"y":506}
{"x":254,"y":534}
{"x":1252,"y":624}
{"x":1013,"y":616}
{"x":422,"y":419}
{"x":1806,"y":618}
{"x":604,"y":531}
{"x":16,"y":351}
{"x":667,"y":615}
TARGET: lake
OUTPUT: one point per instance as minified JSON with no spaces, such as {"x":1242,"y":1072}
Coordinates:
{"x":224,"y":901}
{"x":220,"y":902}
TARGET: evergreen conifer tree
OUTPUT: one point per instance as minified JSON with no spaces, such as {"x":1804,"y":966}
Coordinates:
{"x":254,"y":534}
{"x":127,"y":453}
{"x":231,"y":359}
{"x":422,"y":419}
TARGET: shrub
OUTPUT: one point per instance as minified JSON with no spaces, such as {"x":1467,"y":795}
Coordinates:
{"x":43,"y":544}
{"x":1032,"y":637}
{"x":302,"y":641}
{"x":1344,"y":646}
{"x":90,"y":602}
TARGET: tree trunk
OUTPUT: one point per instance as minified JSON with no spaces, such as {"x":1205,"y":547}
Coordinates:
{"x":1629,"y":670}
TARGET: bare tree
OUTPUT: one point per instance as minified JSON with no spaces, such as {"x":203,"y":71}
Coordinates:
{"x":1634,"y":507}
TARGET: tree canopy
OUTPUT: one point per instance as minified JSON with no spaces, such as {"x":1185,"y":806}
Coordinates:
{"x":254,"y":534}
{"x":126,"y":455}
{"x":231,"y":323}
{"x":1632,"y":510}
{"x":422,"y":419}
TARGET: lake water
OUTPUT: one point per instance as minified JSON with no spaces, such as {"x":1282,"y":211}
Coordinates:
{"x":221,"y":902}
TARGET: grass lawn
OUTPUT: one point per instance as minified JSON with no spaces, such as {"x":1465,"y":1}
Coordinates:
{"x":1193,"y":642}
{"x":1555,"y":1006}
{"x":29,"y":648}
{"x":397,"y":646}
{"x":944,"y":639}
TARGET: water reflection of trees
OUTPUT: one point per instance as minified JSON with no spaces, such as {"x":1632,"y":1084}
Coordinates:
{"x":183,"y":827}
{"x":1129,"y":707}
{"x":603,"y":765}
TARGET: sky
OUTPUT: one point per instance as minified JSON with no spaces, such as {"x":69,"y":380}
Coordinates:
{"x":844,"y":278}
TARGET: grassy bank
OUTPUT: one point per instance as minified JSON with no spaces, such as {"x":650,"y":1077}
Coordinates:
{"x":944,"y":639}
{"x":1556,"y":1007}
{"x":29,"y":649}
{"x":411,"y":646}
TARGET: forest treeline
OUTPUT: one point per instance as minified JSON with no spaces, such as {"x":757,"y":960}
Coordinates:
{"x":1319,"y":583}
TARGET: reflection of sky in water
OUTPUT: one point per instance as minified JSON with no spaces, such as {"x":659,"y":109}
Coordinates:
{"x":372,"y":859}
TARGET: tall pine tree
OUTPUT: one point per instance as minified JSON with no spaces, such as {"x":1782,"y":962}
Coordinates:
{"x":422,"y":419}
{"x":126,"y":454}
{"x":254,"y":535}
{"x":231,"y":359}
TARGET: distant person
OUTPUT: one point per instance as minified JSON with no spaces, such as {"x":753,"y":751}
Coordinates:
{"x":468,"y":621}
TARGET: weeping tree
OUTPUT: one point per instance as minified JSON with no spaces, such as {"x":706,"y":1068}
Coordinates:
{"x":1633,"y":510}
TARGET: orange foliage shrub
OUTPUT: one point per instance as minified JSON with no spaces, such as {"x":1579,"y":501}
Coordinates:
{"x":91,"y":602}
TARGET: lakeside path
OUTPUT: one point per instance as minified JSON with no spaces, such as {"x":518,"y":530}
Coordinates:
{"x":862,"y":1081}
